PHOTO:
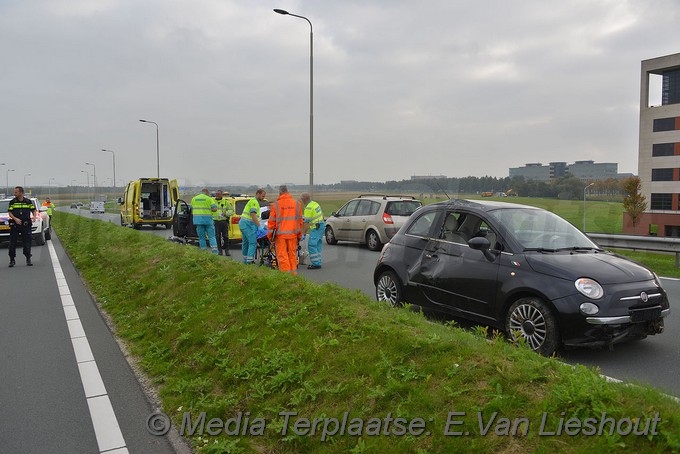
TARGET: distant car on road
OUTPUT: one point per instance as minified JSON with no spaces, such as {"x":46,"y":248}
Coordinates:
{"x":97,"y":207}
{"x":370,"y":219}
{"x":523,"y":270}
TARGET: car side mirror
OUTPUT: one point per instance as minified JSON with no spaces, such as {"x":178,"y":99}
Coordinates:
{"x":43,"y":209}
{"x":480,"y":243}
{"x":334,"y":214}
{"x":120,"y":200}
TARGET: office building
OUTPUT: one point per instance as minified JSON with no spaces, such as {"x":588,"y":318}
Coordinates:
{"x":659,"y":149}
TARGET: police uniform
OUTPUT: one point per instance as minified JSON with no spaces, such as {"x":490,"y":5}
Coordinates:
{"x":22,"y":210}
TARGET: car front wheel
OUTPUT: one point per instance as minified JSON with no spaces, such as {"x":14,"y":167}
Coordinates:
{"x":532,"y":320}
{"x":373,"y":240}
{"x":389,"y":288}
{"x":40,"y":238}
{"x":330,"y":236}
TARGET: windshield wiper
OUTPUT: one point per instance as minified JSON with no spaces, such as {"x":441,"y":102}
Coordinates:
{"x":539,"y":249}
{"x":580,"y":248}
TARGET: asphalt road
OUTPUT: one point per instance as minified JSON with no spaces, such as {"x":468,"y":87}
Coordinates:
{"x":654,"y":361}
{"x":65,"y":385}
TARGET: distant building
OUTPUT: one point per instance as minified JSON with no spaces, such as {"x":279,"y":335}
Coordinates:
{"x":659,"y":150}
{"x":583,"y":170}
{"x":428,"y":177}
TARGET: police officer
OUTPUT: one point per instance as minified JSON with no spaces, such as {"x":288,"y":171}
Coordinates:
{"x":315,"y":226}
{"x":202,"y":208}
{"x":21,"y":213}
{"x":221,"y":221}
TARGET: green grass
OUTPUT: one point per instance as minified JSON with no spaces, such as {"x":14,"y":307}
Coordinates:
{"x":220,"y":337}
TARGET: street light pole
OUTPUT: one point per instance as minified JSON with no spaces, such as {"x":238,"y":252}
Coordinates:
{"x":584,"y":206}
{"x":8,"y":171}
{"x":158,"y":152}
{"x":114,"y":167}
{"x":49,"y":186}
{"x":311,"y":96}
{"x":88,"y":179}
{"x":27,"y":175}
{"x":94,"y":177}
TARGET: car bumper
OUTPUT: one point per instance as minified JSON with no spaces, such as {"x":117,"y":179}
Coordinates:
{"x":620,"y":319}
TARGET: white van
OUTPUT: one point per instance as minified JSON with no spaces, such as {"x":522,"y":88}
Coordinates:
{"x":97,"y":207}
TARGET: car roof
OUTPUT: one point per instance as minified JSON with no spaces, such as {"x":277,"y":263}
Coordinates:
{"x":386,"y":197}
{"x":483,"y":205}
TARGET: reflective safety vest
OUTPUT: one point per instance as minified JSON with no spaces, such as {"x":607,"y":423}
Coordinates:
{"x":50,"y":207}
{"x":21,"y":209}
{"x":202,"y":207}
{"x":313,"y":214}
{"x":224,"y":210}
{"x":253,"y":206}
{"x":286,"y":217}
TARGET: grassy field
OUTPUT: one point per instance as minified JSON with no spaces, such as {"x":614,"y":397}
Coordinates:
{"x":227,"y":339}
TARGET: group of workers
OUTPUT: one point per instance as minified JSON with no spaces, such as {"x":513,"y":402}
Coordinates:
{"x":290,"y":222}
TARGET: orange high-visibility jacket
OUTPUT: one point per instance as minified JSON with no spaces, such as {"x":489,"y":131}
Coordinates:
{"x":285,"y":217}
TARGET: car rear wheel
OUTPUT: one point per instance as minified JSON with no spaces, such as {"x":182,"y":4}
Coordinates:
{"x":389,"y":288}
{"x":330,"y":236}
{"x":373,"y":240}
{"x":48,"y":234}
{"x":532,"y":320}
{"x":40,"y":238}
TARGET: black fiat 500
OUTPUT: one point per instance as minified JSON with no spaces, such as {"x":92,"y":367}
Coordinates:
{"x":522,"y":269}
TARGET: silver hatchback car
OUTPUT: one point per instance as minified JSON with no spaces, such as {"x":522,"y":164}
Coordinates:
{"x":370,"y":219}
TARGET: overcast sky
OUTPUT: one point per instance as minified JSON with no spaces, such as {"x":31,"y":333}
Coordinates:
{"x":401,"y":88}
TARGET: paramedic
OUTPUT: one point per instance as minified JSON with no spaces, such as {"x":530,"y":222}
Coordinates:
{"x":221,"y":221}
{"x":315,"y":227}
{"x":50,"y":207}
{"x":249,"y":222}
{"x":285,"y":224}
{"x":202,"y":207}
{"x":21,"y":212}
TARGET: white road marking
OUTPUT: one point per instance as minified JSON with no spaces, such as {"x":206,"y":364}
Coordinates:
{"x":109,"y":437}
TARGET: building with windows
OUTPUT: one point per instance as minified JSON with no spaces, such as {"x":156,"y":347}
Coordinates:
{"x":583,"y":170}
{"x":659,"y":149}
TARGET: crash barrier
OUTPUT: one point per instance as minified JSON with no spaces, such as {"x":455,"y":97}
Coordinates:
{"x":641,"y":243}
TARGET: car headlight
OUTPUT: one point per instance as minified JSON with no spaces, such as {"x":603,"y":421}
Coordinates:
{"x":589,"y":287}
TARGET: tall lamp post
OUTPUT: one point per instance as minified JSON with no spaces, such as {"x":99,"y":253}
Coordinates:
{"x":584,"y":206}
{"x":311,"y":97}
{"x":88,"y":178}
{"x":27,"y":175}
{"x":8,"y":171}
{"x":94,"y":177}
{"x":158,"y":152}
{"x":49,"y":185}
{"x":7,"y":189}
{"x":114,"y":166}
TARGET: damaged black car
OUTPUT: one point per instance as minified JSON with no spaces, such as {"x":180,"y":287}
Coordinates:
{"x":523,"y":270}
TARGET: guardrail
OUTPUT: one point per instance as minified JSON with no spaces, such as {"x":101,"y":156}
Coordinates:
{"x":642,"y":243}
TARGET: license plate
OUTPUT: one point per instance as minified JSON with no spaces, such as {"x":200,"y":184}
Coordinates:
{"x":643,"y":315}
{"x":4,"y":227}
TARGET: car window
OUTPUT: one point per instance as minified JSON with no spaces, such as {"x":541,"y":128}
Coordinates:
{"x":423,"y":225}
{"x":364,"y":208}
{"x":450,"y":228}
{"x":535,"y":228}
{"x":375,"y":207}
{"x":4,"y":205}
{"x":402,"y":207}
{"x":349,"y":208}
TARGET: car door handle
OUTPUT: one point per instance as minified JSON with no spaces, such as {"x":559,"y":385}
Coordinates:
{"x":431,"y":256}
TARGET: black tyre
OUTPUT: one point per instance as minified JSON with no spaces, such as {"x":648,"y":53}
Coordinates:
{"x":330,"y":236}
{"x":122,"y":224}
{"x":48,"y":234}
{"x":39,"y":238}
{"x":389,"y":288}
{"x":532,"y":319}
{"x":136,"y":226}
{"x":373,"y":240}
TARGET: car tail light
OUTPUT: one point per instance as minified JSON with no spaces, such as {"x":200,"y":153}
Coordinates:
{"x":387,"y":219}
{"x":235,"y":219}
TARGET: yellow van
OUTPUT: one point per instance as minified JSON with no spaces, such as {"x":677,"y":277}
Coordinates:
{"x":149,"y":201}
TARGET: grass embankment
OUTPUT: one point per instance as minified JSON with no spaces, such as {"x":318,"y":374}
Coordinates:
{"x":220,"y":337}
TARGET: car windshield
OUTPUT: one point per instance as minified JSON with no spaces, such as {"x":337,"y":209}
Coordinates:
{"x":537,"y":229}
{"x":402,"y":208}
{"x":4,"y":204}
